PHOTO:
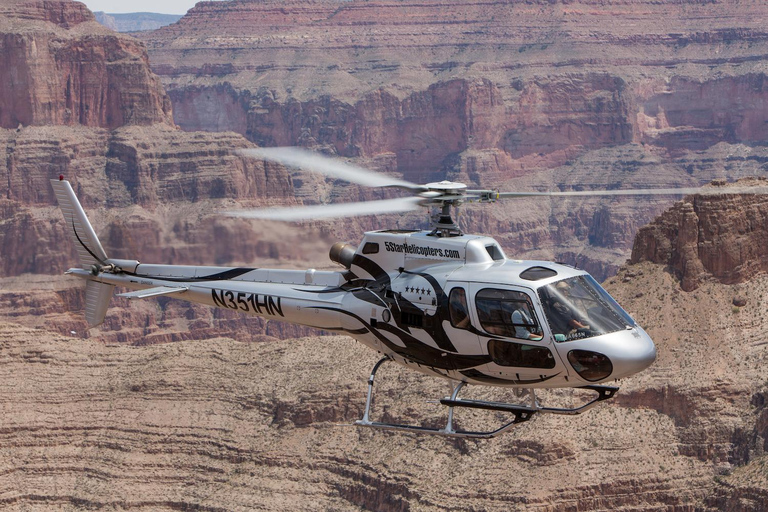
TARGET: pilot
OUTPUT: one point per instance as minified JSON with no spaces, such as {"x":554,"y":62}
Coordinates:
{"x":565,"y":319}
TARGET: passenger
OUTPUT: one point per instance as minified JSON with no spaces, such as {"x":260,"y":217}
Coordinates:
{"x":458,"y":309}
{"x":520,"y":320}
{"x":462,"y":323}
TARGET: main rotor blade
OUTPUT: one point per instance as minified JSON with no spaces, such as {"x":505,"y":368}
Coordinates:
{"x":308,"y":161}
{"x":329,"y":211}
{"x":707,"y":191}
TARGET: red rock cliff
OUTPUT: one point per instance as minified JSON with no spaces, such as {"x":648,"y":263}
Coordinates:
{"x":515,"y":95}
{"x":723,"y":236}
{"x":560,"y":77}
{"x":59,"y":67}
{"x":91,"y":109}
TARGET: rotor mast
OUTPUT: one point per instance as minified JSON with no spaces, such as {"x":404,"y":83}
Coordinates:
{"x":445,"y":194}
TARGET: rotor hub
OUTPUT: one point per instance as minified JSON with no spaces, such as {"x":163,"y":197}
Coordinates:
{"x":447,"y":187}
{"x":444,"y":194}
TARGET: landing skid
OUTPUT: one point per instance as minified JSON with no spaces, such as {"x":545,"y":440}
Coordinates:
{"x":522,"y":413}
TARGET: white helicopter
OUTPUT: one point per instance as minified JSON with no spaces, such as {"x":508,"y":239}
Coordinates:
{"x":437,"y":301}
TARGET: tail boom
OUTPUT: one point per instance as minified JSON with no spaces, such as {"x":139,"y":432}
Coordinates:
{"x":313,"y":305}
{"x":311,"y":298}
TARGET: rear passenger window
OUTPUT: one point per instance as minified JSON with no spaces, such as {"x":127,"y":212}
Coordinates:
{"x":458,"y":308}
{"x":371,"y":248}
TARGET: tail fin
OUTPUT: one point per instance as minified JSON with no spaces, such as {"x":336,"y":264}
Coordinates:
{"x":86,"y":242}
{"x":89,"y":250}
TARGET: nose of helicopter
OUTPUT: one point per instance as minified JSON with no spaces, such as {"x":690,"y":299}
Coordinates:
{"x":635,"y":353}
{"x":612,"y":356}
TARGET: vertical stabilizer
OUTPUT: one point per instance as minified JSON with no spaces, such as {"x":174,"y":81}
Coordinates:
{"x":97,"y":297}
{"x":88,"y":246}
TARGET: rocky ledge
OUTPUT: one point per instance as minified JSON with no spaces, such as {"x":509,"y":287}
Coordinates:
{"x":710,"y":236}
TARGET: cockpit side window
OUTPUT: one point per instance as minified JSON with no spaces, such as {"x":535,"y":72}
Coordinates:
{"x":457,"y":306}
{"x":507,"y":313}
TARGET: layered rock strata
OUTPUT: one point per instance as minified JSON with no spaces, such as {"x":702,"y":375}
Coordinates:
{"x":540,"y":82}
{"x":60,"y":67}
{"x":223,"y":425}
{"x":496,"y":94}
{"x":188,"y":426}
{"x":81,"y":102}
{"x":722,"y":236}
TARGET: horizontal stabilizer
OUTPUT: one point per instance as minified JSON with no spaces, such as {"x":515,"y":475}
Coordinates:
{"x":153,"y":292}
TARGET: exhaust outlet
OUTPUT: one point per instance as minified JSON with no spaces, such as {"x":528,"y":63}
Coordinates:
{"x":342,"y":253}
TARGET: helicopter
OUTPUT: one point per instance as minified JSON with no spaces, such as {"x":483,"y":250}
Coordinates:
{"x":437,"y":301}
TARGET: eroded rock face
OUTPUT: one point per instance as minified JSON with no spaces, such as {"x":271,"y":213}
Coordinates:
{"x":547,"y":123}
{"x":256,"y":424}
{"x":722,"y":236}
{"x":58,"y":66}
{"x":80,"y":101}
{"x":534,"y":79}
{"x":61,"y":13}
{"x":210,"y":423}
{"x":710,"y":374}
{"x":174,"y":179}
{"x":515,"y":96}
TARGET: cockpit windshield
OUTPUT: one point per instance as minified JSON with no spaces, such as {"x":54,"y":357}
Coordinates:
{"x":579,"y":308}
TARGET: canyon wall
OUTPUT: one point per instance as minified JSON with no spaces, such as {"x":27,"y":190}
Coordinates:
{"x":509,"y":95}
{"x":81,"y":101}
{"x":60,"y":67}
{"x":217,"y":424}
{"x":116,"y":417}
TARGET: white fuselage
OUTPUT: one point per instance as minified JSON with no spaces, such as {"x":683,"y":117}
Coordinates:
{"x":394,"y":299}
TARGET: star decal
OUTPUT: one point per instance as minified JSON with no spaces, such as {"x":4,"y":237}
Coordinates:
{"x":420,"y":291}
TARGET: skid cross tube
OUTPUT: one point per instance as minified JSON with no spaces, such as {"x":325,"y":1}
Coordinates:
{"x":603,"y":393}
{"x":521,"y":413}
